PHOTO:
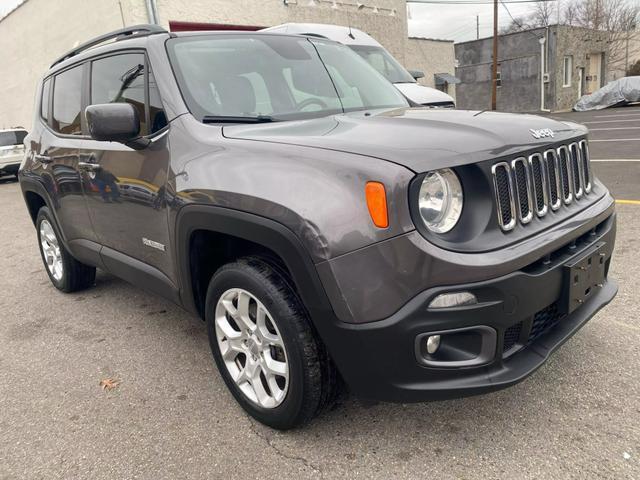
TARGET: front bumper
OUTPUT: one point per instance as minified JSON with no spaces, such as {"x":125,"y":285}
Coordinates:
{"x":378,"y":359}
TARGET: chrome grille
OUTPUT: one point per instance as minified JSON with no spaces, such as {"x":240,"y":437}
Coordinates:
{"x":586,"y":165}
{"x":503,"y":186}
{"x":553,"y":176}
{"x":541,"y":183}
{"x":566,"y":179}
{"x":576,"y":168}
{"x":523,"y":189}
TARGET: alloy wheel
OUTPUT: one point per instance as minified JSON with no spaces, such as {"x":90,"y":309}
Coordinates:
{"x":51,"y":250}
{"x":252,"y":348}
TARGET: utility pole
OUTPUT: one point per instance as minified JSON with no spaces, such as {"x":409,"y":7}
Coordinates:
{"x":494,"y":70}
{"x":626,"y":55}
{"x":477,"y":27}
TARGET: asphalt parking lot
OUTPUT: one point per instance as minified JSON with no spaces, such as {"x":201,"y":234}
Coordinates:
{"x":172,"y":417}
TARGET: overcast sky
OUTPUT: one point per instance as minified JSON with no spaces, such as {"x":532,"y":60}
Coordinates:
{"x":7,"y":5}
{"x":451,"y":22}
{"x":458,"y":22}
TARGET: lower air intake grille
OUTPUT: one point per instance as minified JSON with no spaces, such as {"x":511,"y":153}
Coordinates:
{"x":544,"y":320}
{"x":511,"y":336}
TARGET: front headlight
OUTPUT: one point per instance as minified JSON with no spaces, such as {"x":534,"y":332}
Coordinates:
{"x":440,"y":200}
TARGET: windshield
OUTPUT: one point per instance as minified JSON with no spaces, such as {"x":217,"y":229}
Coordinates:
{"x":15,"y":137}
{"x":384,"y":63}
{"x":277,"y":77}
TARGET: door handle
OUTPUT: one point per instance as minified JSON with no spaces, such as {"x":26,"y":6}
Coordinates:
{"x":43,"y":158}
{"x":89,"y":166}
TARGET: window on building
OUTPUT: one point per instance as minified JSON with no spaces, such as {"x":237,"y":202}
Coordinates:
{"x":121,"y":79}
{"x":67,"y":94}
{"x":44,"y":102}
{"x":567,"y":71}
{"x":499,"y":76}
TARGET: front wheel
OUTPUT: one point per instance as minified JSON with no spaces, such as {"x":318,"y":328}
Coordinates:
{"x":264,"y":346}
{"x":65,"y":272}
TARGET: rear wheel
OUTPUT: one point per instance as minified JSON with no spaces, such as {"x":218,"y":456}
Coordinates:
{"x":65,"y":272}
{"x":264,"y":345}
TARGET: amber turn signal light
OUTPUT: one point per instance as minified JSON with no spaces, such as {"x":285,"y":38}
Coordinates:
{"x":377,"y":204}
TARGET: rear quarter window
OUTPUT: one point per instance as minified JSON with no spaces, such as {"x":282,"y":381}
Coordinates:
{"x":44,"y":101}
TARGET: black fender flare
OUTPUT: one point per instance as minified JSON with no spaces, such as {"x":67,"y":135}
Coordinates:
{"x":257,"y":229}
{"x":35,"y":186}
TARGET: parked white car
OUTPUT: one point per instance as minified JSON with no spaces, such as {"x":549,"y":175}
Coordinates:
{"x":377,"y":56}
{"x":11,"y":150}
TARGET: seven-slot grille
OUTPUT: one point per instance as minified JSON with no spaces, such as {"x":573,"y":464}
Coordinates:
{"x":540,"y":183}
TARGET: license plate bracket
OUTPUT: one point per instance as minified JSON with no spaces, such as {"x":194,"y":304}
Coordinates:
{"x":584,"y":275}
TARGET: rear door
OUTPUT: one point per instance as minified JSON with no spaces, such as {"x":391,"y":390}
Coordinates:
{"x":58,"y":152}
{"x":126,"y":187}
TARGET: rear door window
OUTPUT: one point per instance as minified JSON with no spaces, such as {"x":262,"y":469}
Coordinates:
{"x":14,"y":137}
{"x":67,"y":101}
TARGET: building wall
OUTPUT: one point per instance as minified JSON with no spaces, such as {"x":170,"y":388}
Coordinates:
{"x":431,"y":57}
{"x":391,"y":31}
{"x":33,"y":36}
{"x":579,"y":43}
{"x":39,"y":31}
{"x":519,"y":60}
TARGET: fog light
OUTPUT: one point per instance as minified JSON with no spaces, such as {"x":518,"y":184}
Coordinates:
{"x":433,"y":343}
{"x":448,"y":300}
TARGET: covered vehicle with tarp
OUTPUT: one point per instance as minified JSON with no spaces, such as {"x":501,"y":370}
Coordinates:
{"x":614,"y":94}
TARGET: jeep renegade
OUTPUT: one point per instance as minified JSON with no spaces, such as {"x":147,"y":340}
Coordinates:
{"x":325,"y":230}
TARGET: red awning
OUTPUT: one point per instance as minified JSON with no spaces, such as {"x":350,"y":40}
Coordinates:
{"x":178,"y":26}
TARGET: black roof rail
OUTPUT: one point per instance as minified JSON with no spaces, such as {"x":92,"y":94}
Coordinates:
{"x":127,"y":32}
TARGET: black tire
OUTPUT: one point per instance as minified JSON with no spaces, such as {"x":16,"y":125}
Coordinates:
{"x":312,"y":376}
{"x":75,"y":275}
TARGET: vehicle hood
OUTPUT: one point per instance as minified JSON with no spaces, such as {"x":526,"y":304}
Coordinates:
{"x":421,"y":94}
{"x":419,"y":139}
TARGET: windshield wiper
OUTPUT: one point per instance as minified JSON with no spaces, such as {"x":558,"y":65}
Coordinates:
{"x":237,"y":119}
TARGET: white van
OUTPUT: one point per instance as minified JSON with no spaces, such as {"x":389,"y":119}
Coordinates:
{"x":376,"y":55}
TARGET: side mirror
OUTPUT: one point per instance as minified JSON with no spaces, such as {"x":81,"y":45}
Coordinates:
{"x":115,"y":122}
{"x":416,"y":74}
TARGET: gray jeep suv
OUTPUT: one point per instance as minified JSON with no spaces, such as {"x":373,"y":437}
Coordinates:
{"x":328,"y":233}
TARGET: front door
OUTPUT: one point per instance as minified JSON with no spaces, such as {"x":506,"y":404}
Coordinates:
{"x":594,"y":75}
{"x":126,"y":187}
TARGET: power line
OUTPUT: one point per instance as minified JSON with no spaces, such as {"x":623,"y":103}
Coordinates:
{"x":516,"y":21}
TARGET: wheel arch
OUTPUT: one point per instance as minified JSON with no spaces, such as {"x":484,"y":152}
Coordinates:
{"x":267,"y":234}
{"x":36,"y":196}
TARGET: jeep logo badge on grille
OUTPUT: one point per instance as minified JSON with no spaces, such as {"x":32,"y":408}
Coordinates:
{"x":542,"y":133}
